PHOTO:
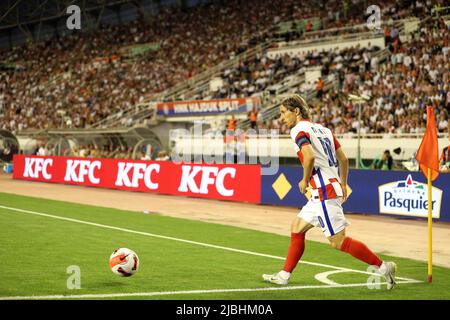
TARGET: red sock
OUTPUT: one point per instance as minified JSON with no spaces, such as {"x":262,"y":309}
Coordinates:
{"x":295,"y":251}
{"x":360,"y":251}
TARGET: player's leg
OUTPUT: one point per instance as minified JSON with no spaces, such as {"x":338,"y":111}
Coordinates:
{"x":334,"y":224}
{"x":299,"y":227}
{"x":355,"y":248}
{"x":362,"y":252}
{"x":305,"y":220}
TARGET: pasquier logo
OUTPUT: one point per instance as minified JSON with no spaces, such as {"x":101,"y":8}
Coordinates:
{"x":410,"y":198}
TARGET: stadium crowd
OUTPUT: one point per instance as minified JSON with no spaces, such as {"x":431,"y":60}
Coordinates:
{"x":263,"y":73}
{"x":414,"y":76}
{"x":77,"y":80}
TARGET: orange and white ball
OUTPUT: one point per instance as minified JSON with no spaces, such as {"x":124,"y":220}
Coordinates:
{"x":124,"y":262}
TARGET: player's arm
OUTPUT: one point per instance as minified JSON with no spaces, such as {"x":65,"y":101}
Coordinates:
{"x":343,"y":167}
{"x":308,"y":165}
{"x":343,"y":170}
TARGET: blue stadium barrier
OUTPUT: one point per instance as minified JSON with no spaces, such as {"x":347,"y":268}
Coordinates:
{"x":403,"y":193}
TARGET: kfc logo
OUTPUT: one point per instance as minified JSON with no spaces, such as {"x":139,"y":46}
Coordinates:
{"x":78,"y":170}
{"x":35,"y":166}
{"x":139,"y":171}
{"x":209,"y":176}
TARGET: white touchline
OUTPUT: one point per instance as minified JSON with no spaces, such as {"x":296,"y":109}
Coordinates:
{"x":188,"y":241}
{"x":165,"y":293}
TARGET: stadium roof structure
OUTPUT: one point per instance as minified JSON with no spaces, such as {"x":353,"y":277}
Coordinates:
{"x":14,"y":13}
{"x":135,"y":137}
{"x":36,"y":20}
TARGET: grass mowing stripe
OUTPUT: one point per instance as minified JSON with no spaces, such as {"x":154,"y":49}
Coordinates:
{"x":149,"y":294}
{"x":187,"y":241}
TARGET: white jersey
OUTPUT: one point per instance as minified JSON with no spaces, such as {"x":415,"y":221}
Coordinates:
{"x":325,"y":181}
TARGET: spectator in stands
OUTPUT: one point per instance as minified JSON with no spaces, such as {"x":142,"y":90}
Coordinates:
{"x":387,"y":36}
{"x":394,"y":33}
{"x":162,"y":156}
{"x":40,"y":149}
{"x":145,"y":156}
{"x":93,"y":152}
{"x":253,"y":118}
{"x":366,"y":57}
{"x":346,"y":6}
{"x":443,"y":121}
{"x":319,"y":88}
{"x":7,"y":153}
{"x":308,"y":26}
{"x":444,"y":163}
{"x":386,"y":161}
{"x":231,"y":123}
{"x":83,"y":151}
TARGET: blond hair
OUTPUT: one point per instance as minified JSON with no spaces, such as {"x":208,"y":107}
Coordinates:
{"x":296,"y":101}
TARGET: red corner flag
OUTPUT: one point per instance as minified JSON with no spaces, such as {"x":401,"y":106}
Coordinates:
{"x":428,"y":153}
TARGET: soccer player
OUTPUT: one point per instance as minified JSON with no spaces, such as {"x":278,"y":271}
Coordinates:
{"x":321,"y":156}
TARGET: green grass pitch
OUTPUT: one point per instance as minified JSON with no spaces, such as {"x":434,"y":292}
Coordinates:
{"x":37,"y":249}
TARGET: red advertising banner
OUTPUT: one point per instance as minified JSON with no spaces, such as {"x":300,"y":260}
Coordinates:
{"x":214,"y":181}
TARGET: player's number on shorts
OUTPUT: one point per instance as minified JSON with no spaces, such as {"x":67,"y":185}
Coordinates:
{"x":326,"y":144}
{"x":321,"y":222}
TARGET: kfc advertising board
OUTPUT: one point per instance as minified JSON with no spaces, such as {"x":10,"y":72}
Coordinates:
{"x":215,"y":181}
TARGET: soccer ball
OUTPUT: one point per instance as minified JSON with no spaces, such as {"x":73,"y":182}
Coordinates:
{"x":124,"y":262}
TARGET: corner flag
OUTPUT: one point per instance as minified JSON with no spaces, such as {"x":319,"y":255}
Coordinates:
{"x":428,"y":153}
{"x":428,"y":158}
